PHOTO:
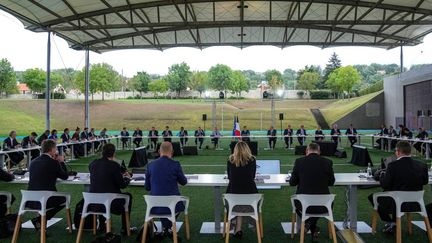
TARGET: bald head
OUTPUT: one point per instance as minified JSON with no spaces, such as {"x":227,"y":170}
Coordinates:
{"x":166,"y":149}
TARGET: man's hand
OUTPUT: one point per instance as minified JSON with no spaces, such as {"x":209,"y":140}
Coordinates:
{"x":59,"y":158}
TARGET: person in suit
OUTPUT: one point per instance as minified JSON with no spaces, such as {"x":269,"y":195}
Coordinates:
{"x":183,"y":134}
{"x":103,"y":134}
{"x":245,"y":134}
{"x":352,"y":134}
{"x":78,"y":147}
{"x":153,"y":136}
{"x":241,"y":169}
{"x":288,"y":132}
{"x":271,"y":135}
{"x":392,"y":133}
{"x":335,"y":133}
{"x":137,"y":134}
{"x":167,"y":134}
{"x":383,"y":132}
{"x":16,"y":158}
{"x":30,"y":141}
{"x":43,"y":137}
{"x":312,"y":174}
{"x":215,"y":135}
{"x":124,"y":137}
{"x":422,"y":135}
{"x":199,"y":137}
{"x":404,"y":174}
{"x":44,"y":172}
{"x":92,"y":137}
{"x":405,"y":132}
{"x":53,"y":135}
{"x":301,"y":135}
{"x":162,"y":178}
{"x":107,"y":176}
{"x":85,"y":136}
{"x":319,"y":135}
{"x":76,"y":134}
{"x":5,"y":176}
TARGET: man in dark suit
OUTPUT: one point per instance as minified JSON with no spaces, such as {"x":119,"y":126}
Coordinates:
{"x":44,"y":171}
{"x":167,"y":134}
{"x":271,"y":135}
{"x":183,"y":134}
{"x":153,"y":136}
{"x":301,"y":135}
{"x":162,"y":178}
{"x":335,"y":133}
{"x":383,"y":132}
{"x":30,"y":141}
{"x":106,"y":176}
{"x":5,"y":176}
{"x":288,"y":132}
{"x":422,"y":135}
{"x":245,"y":134}
{"x":352,"y":134}
{"x":17,"y":158}
{"x":404,"y":174}
{"x":43,"y":137}
{"x":199,"y":137}
{"x":312,"y":174}
{"x":319,"y":135}
{"x":137,"y":134}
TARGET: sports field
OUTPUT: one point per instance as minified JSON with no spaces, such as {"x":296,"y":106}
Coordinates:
{"x":277,"y":207}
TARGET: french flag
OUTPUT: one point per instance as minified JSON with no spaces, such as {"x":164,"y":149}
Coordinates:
{"x":236,"y":129}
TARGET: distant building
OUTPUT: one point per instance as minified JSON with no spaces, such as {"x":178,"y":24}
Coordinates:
{"x":23,"y":89}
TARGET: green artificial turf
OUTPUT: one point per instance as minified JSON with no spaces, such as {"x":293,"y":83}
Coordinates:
{"x":277,"y":206}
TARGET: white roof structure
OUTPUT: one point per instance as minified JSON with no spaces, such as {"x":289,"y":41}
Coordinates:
{"x":104,"y":25}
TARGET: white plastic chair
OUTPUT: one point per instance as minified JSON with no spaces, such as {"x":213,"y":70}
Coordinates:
{"x":41,"y":197}
{"x":8,"y":196}
{"x":253,"y":200}
{"x":106,"y":200}
{"x":309,"y":200}
{"x":166,"y":202}
{"x":401,"y":197}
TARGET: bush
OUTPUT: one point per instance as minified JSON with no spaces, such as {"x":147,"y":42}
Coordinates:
{"x":57,"y":96}
{"x":320,"y":94}
{"x":372,"y":88}
{"x":300,"y":94}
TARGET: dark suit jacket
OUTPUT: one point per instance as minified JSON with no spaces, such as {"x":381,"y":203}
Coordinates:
{"x":167,"y":133}
{"x":199,"y":133}
{"x":301,"y":132}
{"x":10,"y":143}
{"x":349,"y":132}
{"x":65,"y":138}
{"x":183,"y":133}
{"x":84,"y":135}
{"x":138,"y":135}
{"x":42,"y":138}
{"x":312,"y":174}
{"x":288,"y":132}
{"x":163,"y":176}
{"x":44,"y":172}
{"x":26,"y":141}
{"x":271,"y":132}
{"x":106,"y":176}
{"x":4,"y":176}
{"x":242,"y":179}
{"x":384,"y":131}
{"x":422,"y":135}
{"x":405,"y":174}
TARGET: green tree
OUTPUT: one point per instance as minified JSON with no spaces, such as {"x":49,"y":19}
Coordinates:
{"x":254,"y":78}
{"x":35,"y":79}
{"x":308,"y":81}
{"x":103,"y":78}
{"x":220,"y":77}
{"x":158,"y":86}
{"x":7,"y":78}
{"x":199,"y":82}
{"x":333,"y":64}
{"x":274,"y":78}
{"x":344,"y":79}
{"x":67,"y":77}
{"x":289,"y":77}
{"x":239,"y":83}
{"x":140,"y":82}
{"x":179,"y":76}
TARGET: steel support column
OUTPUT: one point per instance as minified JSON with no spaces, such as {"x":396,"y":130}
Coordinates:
{"x":401,"y":59}
{"x":87,"y":88}
{"x":48,"y":84}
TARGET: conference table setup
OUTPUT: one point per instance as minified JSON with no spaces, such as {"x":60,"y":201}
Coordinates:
{"x":387,"y":144}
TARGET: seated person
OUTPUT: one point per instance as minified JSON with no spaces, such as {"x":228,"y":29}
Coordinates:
{"x":335,"y":133}
{"x":167,"y":134}
{"x":392,"y":133}
{"x":215,"y":135}
{"x":405,"y":133}
{"x":16,"y":158}
{"x":422,"y":135}
{"x":103,"y":134}
{"x":199,"y":137}
{"x":92,"y":136}
{"x":53,"y":135}
{"x":183,"y":134}
{"x":124,"y":137}
{"x":312,"y":174}
{"x":383,"y":132}
{"x":43,"y":137}
{"x":5,"y":176}
{"x":30,"y":141}
{"x":85,"y":136}
{"x":288,"y":133}
{"x":44,"y":172}
{"x":404,"y":174}
{"x":352,"y":134}
{"x":271,"y":135}
{"x":319,"y":135}
{"x":241,"y":169}
{"x":245,"y":134}
{"x":301,"y":135}
{"x":162,"y":178}
{"x":137,"y":135}
{"x":153,"y":136}
{"x":107,"y":176}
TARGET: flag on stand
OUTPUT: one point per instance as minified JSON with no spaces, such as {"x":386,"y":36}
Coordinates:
{"x":236,"y":128}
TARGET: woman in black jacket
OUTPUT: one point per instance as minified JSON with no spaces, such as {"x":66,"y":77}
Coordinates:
{"x":241,"y":168}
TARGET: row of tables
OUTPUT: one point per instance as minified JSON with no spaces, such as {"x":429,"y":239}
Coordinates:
{"x":412,"y":141}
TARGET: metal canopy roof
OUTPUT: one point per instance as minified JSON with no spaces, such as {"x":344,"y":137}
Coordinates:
{"x":103,"y":25}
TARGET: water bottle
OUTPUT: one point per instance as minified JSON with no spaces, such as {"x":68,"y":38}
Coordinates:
{"x":369,"y":171}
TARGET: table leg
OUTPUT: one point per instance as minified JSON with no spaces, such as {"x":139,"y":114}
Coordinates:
{"x":427,"y":150}
{"x":352,"y":200}
{"x":217,"y":207}
{"x":2,"y":156}
{"x":389,"y":141}
{"x":373,"y":141}
{"x":28,"y":158}
{"x":92,"y":148}
{"x":359,"y":140}
{"x":72,"y":152}
{"x":85,"y":150}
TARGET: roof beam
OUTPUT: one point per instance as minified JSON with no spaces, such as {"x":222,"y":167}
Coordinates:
{"x":185,"y":21}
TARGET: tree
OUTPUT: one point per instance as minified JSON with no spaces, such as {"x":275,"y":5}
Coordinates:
{"x":275,"y":83}
{"x":158,"y":86}
{"x":270,"y":73}
{"x":178,"y":77}
{"x":7,"y":78}
{"x":239,"y":83}
{"x":140,"y":82}
{"x":219,"y":77}
{"x":254,"y":78}
{"x":199,"y":82}
{"x":344,"y":79}
{"x":35,"y":79}
{"x":308,"y":81}
{"x":333,"y":64}
{"x":67,"y":77}
{"x":103,"y":78}
{"x":289,"y":77}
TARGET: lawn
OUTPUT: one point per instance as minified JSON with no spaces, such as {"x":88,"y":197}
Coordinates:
{"x":276,"y":208}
